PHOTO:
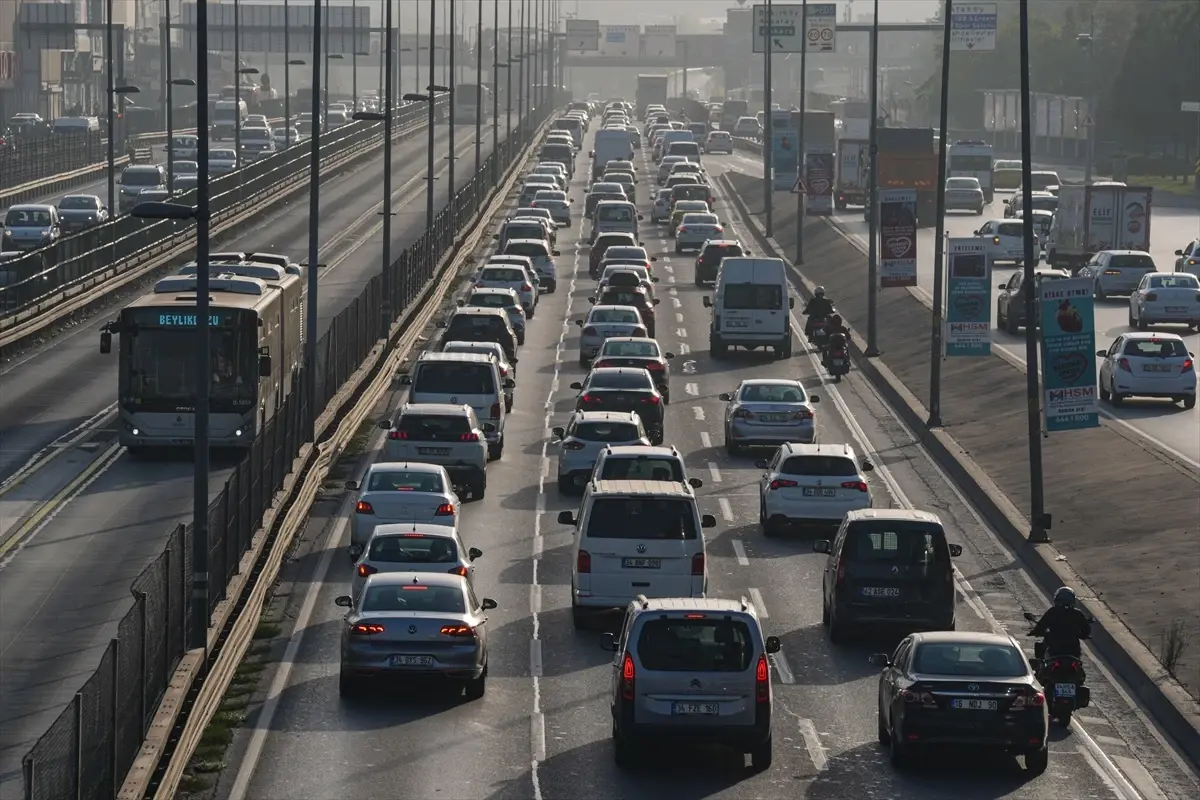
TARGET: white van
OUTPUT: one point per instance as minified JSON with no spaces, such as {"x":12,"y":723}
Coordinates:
{"x":610,"y":145}
{"x":571,"y":125}
{"x":636,"y":538}
{"x":615,"y":216}
{"x":750,"y":307}
{"x":76,"y":125}
{"x":463,"y":378}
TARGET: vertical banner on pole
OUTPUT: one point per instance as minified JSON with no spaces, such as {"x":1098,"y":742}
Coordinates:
{"x":968,"y":299}
{"x":785,"y":160}
{"x":898,"y":238}
{"x":1068,"y":354}
{"x":818,"y":178}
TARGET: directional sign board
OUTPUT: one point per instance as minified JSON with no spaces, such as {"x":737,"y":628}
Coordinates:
{"x":821,"y":27}
{"x":658,"y":41}
{"x":787,"y":28}
{"x":973,"y":26}
{"x":1190,"y":105}
{"x":583,"y":35}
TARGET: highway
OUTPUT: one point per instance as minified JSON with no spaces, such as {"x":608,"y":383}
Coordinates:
{"x":65,"y":573}
{"x":1165,"y":424}
{"x":542,"y":730}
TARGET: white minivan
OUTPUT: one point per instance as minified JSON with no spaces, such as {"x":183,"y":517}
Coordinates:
{"x":471,"y":379}
{"x":636,"y":538}
{"x":615,"y":216}
{"x":751,"y":307}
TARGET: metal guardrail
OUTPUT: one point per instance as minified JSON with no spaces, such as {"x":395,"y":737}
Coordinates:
{"x":44,"y":279}
{"x":94,"y":742}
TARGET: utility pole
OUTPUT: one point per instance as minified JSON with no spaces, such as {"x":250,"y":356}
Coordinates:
{"x":939,"y":239}
{"x":451,"y":156}
{"x":479,"y":88}
{"x":170,"y":92}
{"x":314,"y":227}
{"x":769,"y":138}
{"x":237,"y":83}
{"x":429,"y":215}
{"x":389,"y":313}
{"x":802,"y":155}
{"x":522,"y":90}
{"x":111,"y":81}
{"x":873,"y":243}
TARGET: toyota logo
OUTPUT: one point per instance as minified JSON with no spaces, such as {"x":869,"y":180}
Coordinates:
{"x":641,"y":548}
{"x":412,"y":629}
{"x":972,"y":687}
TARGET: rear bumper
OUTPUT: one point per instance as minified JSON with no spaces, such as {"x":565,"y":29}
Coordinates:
{"x":736,"y":339}
{"x":1009,"y":732}
{"x":739,"y":737}
{"x":911,"y":615}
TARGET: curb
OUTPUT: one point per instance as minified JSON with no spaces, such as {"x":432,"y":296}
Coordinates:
{"x":1176,"y":711}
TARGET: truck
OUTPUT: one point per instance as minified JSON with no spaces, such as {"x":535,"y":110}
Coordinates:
{"x":972,"y":159}
{"x":225,"y":117}
{"x":651,"y":89}
{"x":731,"y":111}
{"x":907,"y":159}
{"x":853,"y":159}
{"x":1103,"y":216}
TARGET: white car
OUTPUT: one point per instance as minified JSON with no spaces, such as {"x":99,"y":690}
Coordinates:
{"x":414,"y":547}
{"x":506,"y":299}
{"x":1165,"y":297}
{"x":1148,"y":365}
{"x":1004,"y":240}
{"x":585,"y":435}
{"x":695,"y":229}
{"x":400,"y":491}
{"x":603,"y":322}
{"x":553,"y":173}
{"x":661,"y":212}
{"x":811,"y":484}
{"x":964,"y":194}
{"x":444,"y":434}
{"x":525,"y":264}
{"x":506,"y":276}
{"x":222,"y":161}
{"x":718,"y":142}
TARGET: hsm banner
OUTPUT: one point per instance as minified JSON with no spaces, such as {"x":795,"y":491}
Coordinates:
{"x":818,"y":170}
{"x":898,"y":238}
{"x":1068,"y":354}
{"x":968,"y":299}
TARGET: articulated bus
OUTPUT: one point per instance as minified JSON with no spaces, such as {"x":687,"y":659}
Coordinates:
{"x":256,"y":319}
{"x":465,"y":95}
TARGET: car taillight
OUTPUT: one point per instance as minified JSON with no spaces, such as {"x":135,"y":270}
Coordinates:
{"x":762,"y":680}
{"x":779,"y":483}
{"x":652,"y":400}
{"x":698,"y":564}
{"x":600,"y":364}
{"x":1112,"y":272}
{"x":366,"y":570}
{"x":572,"y":445}
{"x":590,"y":398}
{"x":628,"y":675}
{"x":1150,"y":298}
{"x":683,"y":230}
{"x":444,"y":510}
{"x":494,"y":411}
{"x":590,"y":331}
{"x":655,"y":366}
{"x":363,"y":507}
{"x":395,"y":435}
{"x":469,"y":437}
{"x":365,"y":629}
{"x":458,"y":631}
{"x":1188,"y":365}
{"x":860,"y":485}
{"x":743,"y":413}
{"x":583,"y":562}
{"x":802,"y":415}
{"x":1027,"y":700}
{"x":525,"y":287}
{"x":1124,"y":364}
{"x":504,"y":372}
{"x":913,"y":697}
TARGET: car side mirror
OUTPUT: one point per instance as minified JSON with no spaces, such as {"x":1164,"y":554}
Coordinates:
{"x":560,"y":432}
{"x":474,"y":553}
{"x":695,"y":483}
{"x":707,"y":301}
{"x":591,"y":153}
{"x":657,"y":301}
{"x":557,"y":253}
{"x":344,"y":601}
{"x":487,"y":427}
{"x":955,"y":550}
{"x":708,"y":521}
{"x":105,"y":343}
{"x":1004,"y":286}
{"x":355,"y":550}
{"x":608,"y":642}
{"x":653,"y":279}
{"x":725,"y":396}
{"x":460,"y":303}
{"x":352,"y":486}
{"x":592,"y":300}
{"x":440,"y":324}
{"x":880,"y":660}
{"x":1102,"y":353}
{"x":385,"y":424}
{"x":867,"y":466}
{"x":975,"y":232}
{"x":576,"y":385}
{"x":791,"y":302}
{"x":1178,"y":252}
{"x":668,"y":355}
{"x":772,"y":644}
{"x":641,"y":244}
{"x":821,"y":546}
{"x":264,"y":366}
{"x":760,"y":463}
{"x":488,"y":604}
{"x":1030,"y":617}
{"x":406,"y":380}
{"x":566,"y":518}
{"x":640,"y":217}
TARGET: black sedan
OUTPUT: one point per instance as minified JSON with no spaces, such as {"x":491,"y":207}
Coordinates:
{"x":964,"y":689}
{"x":623,"y":389}
{"x":638,"y":352}
{"x":635,"y":296}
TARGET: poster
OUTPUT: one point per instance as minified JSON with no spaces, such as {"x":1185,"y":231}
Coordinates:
{"x":897,"y":238}
{"x":818,"y":172}
{"x":968,"y":299}
{"x":1070,"y":399}
{"x":784,"y":159}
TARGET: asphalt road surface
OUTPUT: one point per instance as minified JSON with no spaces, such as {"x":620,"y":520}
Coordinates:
{"x":542,"y":730}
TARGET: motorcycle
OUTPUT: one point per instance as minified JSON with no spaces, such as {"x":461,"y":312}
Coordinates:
{"x":820,"y":332}
{"x":838,"y":364}
{"x":1063,"y":676}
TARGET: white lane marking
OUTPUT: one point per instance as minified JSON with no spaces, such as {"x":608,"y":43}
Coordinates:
{"x":812,"y":743}
{"x":668,"y":268}
{"x":782,"y":668}
{"x":714,"y":472}
{"x":699,"y":412}
{"x":692,"y":389}
{"x":679,"y":316}
{"x":61,"y":441}
{"x":681,"y":333}
{"x":535,"y":599}
{"x":760,"y":604}
{"x":675,"y":301}
{"x":705,"y":439}
{"x":739,"y":549}
{"x":684,"y":349}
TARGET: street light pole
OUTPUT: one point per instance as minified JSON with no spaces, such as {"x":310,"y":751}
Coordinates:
{"x":354,"y":53}
{"x":522,"y":92}
{"x":287,"y":73}
{"x":802,"y":154}
{"x":479,"y":88}
{"x":939,"y":240}
{"x":323,"y":30}
{"x":769,"y":137}
{"x":873,"y":229}
{"x":451,"y":157}
{"x":496,"y":85}
{"x":170,"y":95}
{"x":508,"y":98}
{"x":314,"y":229}
{"x":110,"y":80}
{"x":237,"y":82}
{"x":1090,"y":40}
{"x":388,"y":312}
{"x":429,"y":178}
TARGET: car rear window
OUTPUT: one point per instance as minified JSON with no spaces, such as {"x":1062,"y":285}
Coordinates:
{"x":1180,"y":281}
{"x":404,"y":481}
{"x":487,"y":301}
{"x":968,"y":660}
{"x":614,"y":315}
{"x":623,"y":297}
{"x":557,"y":152}
{"x":712,"y":644}
{"x":454,"y":377}
{"x":630,"y":349}
{"x":634,"y":379}
{"x":642,"y":468}
{"x":700,"y":219}
{"x":413,"y":548}
{"x":611,"y":240}
{"x":1045,"y":203}
{"x":821,"y":466}
{"x":433,"y":427}
{"x":748,"y":296}
{"x":684,"y":149}
{"x":502,"y":274}
{"x":687,"y":204}
{"x":524,"y":231}
{"x":610,"y":432}
{"x":775,"y":393}
{"x":718,"y":251}
{"x":436,"y":599}
{"x":896,"y":542}
{"x":530,"y":249}
{"x":621,"y":213}
{"x":641,"y":518}
{"x":1012,"y":229}
{"x":1042,"y":180}
{"x":1132,"y":261}
{"x":1155,"y":348}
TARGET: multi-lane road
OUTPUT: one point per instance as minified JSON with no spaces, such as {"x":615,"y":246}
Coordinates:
{"x":69,"y":549}
{"x":542,"y":730}
{"x":1165,"y":424}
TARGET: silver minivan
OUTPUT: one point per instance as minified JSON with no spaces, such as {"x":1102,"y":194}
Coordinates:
{"x":615,"y":216}
{"x":138,"y":177}
{"x":463,"y":378}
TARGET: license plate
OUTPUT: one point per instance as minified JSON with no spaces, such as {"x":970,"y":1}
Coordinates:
{"x":1156,"y":368}
{"x":433,"y":451}
{"x":773,"y":417}
{"x":1176,"y":309}
{"x":820,"y":492}
{"x":837,"y":362}
{"x":641,"y":563}
{"x":738,"y":323}
{"x":694,"y":709}
{"x":411,"y":661}
{"x":880,"y":591}
{"x":1064,"y":690}
{"x":975,"y":705}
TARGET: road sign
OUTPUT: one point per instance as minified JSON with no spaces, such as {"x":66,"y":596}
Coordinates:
{"x":821,"y":27}
{"x":1088,"y":121}
{"x":1190,"y":105}
{"x":786,"y":28}
{"x":973,"y":26}
{"x":583,"y":35}
{"x":621,"y":40}
{"x":658,"y":41}
{"x":799,"y":187}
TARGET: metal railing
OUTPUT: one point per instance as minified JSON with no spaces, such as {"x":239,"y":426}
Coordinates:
{"x":90,"y":747}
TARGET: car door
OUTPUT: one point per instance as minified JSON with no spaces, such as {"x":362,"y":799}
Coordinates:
{"x":1135,"y":298}
{"x":1110,"y":356}
{"x":772,"y":470}
{"x":888,"y":678}
{"x":1010,"y":289}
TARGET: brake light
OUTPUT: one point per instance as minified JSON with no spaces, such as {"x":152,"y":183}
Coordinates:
{"x":444,"y":510}
{"x":627,"y":678}
{"x":1188,"y":364}
{"x":683,"y":230}
{"x":590,"y":398}
{"x":1112,"y":272}
{"x":458,"y":631}
{"x":1064,"y":663}
{"x":494,"y":411}
{"x":913,"y":697}
{"x":365,"y":629}
{"x":695,"y":616}
{"x":583,"y":562}
{"x":590,"y":331}
{"x":469,"y":437}
{"x":860,"y":485}
{"x":394,"y":435}
{"x":698,"y":565}
{"x":525,"y":287}
{"x":802,"y":415}
{"x":652,"y":400}
{"x":655,"y":366}
{"x":1124,"y":364}
{"x":779,"y":483}
{"x":1151,"y":297}
{"x":600,"y":364}
{"x":572,"y":445}
{"x":504,"y":372}
{"x":363,"y":507}
{"x":1029,"y":700}
{"x":720,"y":229}
{"x":762,"y":680}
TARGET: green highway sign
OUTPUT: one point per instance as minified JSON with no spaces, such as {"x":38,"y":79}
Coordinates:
{"x":778,"y":30}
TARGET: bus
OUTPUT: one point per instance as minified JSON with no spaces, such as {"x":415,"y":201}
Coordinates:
{"x":972,"y":159}
{"x":733,"y":109}
{"x":256,"y":315}
{"x":465,"y":97}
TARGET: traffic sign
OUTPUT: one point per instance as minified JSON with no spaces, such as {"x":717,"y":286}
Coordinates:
{"x":583,"y":35}
{"x":799,"y":187}
{"x":658,"y":41}
{"x":973,"y":26}
{"x":1088,"y":121}
{"x":821,"y":28}
{"x":786,"y":28}
{"x":1190,"y":105}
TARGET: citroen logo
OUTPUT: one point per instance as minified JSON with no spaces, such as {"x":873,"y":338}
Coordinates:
{"x":895,"y":570}
{"x":412,"y":629}
{"x":972,"y":687}
{"x":695,"y":683}
{"x":641,"y":548}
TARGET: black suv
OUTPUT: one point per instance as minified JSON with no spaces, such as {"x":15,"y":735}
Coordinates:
{"x":710,"y":257}
{"x":479,"y":324}
{"x":623,"y":389}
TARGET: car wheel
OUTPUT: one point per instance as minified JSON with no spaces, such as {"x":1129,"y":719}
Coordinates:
{"x":1099,"y":292}
{"x":1189,"y":401}
{"x":529,"y":314}
{"x":784,"y":350}
{"x":1036,"y":761}
{"x":837,"y":631}
{"x":882,"y":734}
{"x":346,"y":687}
{"x":478,"y":487}
{"x":1142,"y":324}
{"x":678,"y":250}
{"x":551,"y":287}
{"x":623,"y":750}
{"x":579,"y":618}
{"x":1132,"y":324}
{"x":897,"y":753}
{"x":731,"y":448}
{"x":495,"y":452}
{"x":476,"y":687}
{"x":762,"y":755}
{"x":565,"y":485}
{"x":1117,"y":397}
{"x":1105,"y":396}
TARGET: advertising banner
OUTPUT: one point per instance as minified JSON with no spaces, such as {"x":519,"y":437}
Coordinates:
{"x":897,"y":238}
{"x":968,"y":299}
{"x":785,"y":160}
{"x":1070,"y":399}
{"x":818,"y":172}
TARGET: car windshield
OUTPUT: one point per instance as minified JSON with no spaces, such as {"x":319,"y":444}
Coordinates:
{"x":1043,"y":180}
{"x":221,"y":155}
{"x":555,"y":203}
{"x":660,"y":518}
{"x":642,"y":468}
{"x":141,"y":177}
{"x":1127,"y":261}
{"x":630,"y":349}
{"x":635,"y":380}
{"x":619,"y":296}
{"x":502,"y":275}
{"x":772,"y":393}
{"x":962,"y":183}
{"x":549,"y":194}
{"x":1180,"y":281}
{"x":1155,"y":348}
{"x":614,"y":315}
{"x":701,"y":219}
{"x":32,"y":217}
{"x":698,"y":643}
{"x":685,"y":149}
{"x":969,"y":660}
{"x":454,"y":377}
{"x":413,"y":548}
{"x":608,"y":432}
{"x":896,"y":542}
{"x":1045,"y":203}
{"x":626,"y":252}
{"x":744,"y":296}
{"x":533,"y":212}
{"x":530,"y":249}
{"x":79,"y":202}
{"x":486,"y":300}
{"x":414,"y":597}
{"x":404,"y":481}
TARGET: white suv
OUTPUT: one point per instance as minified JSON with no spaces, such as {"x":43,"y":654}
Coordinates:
{"x":636,"y":538}
{"x":811,"y":484}
{"x":445,"y":434}
{"x":585,"y":435}
{"x":637,"y":463}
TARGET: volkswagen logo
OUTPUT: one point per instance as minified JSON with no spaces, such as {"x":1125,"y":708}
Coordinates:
{"x":895,"y":570}
{"x":412,"y":629}
{"x":972,"y":687}
{"x":641,"y":548}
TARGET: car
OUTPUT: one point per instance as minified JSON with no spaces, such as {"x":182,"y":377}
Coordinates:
{"x":541,"y":255}
{"x":618,"y":273}
{"x":559,"y":178}
{"x":414,"y":547}
{"x":665,"y":166}
{"x":603,"y":242}
{"x":77,"y":212}
{"x":595,"y":198}
{"x":510,"y":277}
{"x":628,"y":254}
{"x":708,"y":261}
{"x":398,"y":621}
{"x":1148,"y":365}
{"x":524,"y":216}
{"x":960,"y":689}
{"x":965,"y":194}
{"x":285,"y":137}
{"x":639,"y":352}
{"x":627,"y":180}
{"x":610,"y":187}
{"x":642,"y":463}
{"x":688,"y":169}
{"x":523,"y":263}
{"x":1004,"y":240}
{"x":444,"y":434}
{"x":1010,"y":297}
{"x":623,"y":389}
{"x":691,"y":669}
{"x":1043,"y":201}
{"x":585,"y":435}
{"x":549,"y":194}
{"x":683,"y":207}
{"x":526,"y":228}
{"x":560,"y":209}
{"x":31,"y":226}
{"x":1188,"y":259}
{"x":508,"y":370}
{"x":1043,"y":180}
{"x":506,"y":299}
{"x":1116,"y":271}
{"x":635,"y":538}
{"x":1165,"y":297}
{"x":222,"y":161}
{"x":888,"y":567}
{"x":661,"y":210}
{"x":718,"y":142}
{"x":400,"y":491}
{"x":805,"y":485}
{"x":636,"y":296}
{"x":534,"y":184}
{"x":768,"y":412}
{"x":603,"y":321}
{"x":695,"y":229}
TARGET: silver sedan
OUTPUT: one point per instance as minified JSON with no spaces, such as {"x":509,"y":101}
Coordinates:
{"x":411,"y":625}
{"x":603,"y":322}
{"x":696,"y":229}
{"x":768,"y":412}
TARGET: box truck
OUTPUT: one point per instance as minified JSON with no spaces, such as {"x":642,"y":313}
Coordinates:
{"x":853,"y":159}
{"x":1103,"y":216}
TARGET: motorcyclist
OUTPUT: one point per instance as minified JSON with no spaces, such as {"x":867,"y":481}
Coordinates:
{"x":818,"y":308}
{"x":1063,"y":626}
{"x":839,"y":337}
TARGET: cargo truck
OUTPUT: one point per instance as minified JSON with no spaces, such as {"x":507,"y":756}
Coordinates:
{"x":651,"y":89}
{"x":1103,"y":216}
{"x":907,"y":159}
{"x":853,"y":159}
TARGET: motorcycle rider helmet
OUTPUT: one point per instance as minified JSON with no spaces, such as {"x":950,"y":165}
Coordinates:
{"x":820,"y":292}
{"x":1064,"y":597}
{"x":836,"y":320}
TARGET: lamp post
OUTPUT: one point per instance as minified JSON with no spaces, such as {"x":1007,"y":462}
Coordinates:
{"x":237,"y":112}
{"x":287,"y":96}
{"x":287,"y":70}
{"x":114,"y":92}
{"x":522,"y":91}
{"x":450,"y":81}
{"x":1088,"y":41}
{"x":171,"y":124}
{"x":237,"y":82}
{"x":496,"y":87}
{"x":479,"y":87}
{"x":314,"y":229}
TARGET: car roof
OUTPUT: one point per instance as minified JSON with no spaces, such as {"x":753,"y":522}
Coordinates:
{"x":892,"y":514}
{"x":485,"y":349}
{"x":642,"y":488}
{"x":416,"y":578}
{"x":616,"y":370}
{"x":772,"y":382}
{"x":523,"y":241}
{"x":699,"y":604}
{"x":1143,"y":336}
{"x":605,"y":416}
{"x":476,"y":310}
{"x":411,"y":466}
{"x":964,"y":637}
{"x":436,"y":409}
{"x":436,"y":356}
{"x":828,"y":450}
{"x":723,"y":242}
{"x":641,"y":451}
{"x":424,"y":528}
{"x":501,"y":290}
